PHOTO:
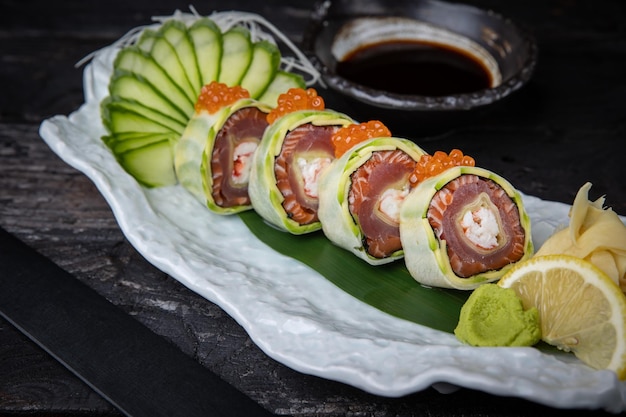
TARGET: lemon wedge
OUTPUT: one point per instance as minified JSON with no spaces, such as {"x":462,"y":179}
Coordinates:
{"x":580,"y":308}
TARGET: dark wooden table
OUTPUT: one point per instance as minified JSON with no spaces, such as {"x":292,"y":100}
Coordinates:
{"x":565,"y":128}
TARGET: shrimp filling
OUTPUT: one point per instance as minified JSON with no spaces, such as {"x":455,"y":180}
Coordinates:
{"x":481,"y":228}
{"x":389,"y":204}
{"x":311,"y":171}
{"x":481,"y":224}
{"x":242,"y":162}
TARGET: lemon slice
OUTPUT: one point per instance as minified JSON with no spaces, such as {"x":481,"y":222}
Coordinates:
{"x":580,"y":308}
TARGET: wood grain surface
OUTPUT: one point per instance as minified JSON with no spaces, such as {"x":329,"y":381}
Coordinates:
{"x":565,"y":128}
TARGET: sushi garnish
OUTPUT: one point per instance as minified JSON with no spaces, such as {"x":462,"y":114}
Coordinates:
{"x":215,"y":96}
{"x":431,"y":165}
{"x":296,"y":99}
{"x":348,"y":136}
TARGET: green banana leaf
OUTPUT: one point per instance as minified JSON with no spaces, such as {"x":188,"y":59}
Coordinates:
{"x":389,"y":288}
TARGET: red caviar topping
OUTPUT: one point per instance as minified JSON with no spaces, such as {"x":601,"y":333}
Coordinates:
{"x":348,"y":136}
{"x":216,"y":95}
{"x":293,"y":100}
{"x":431,"y":165}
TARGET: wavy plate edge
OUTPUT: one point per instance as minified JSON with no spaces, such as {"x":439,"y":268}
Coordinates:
{"x":326,"y":332}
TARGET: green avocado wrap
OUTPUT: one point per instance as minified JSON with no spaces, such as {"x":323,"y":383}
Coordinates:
{"x":295,"y":149}
{"x":463,"y":227}
{"x":213,"y":157}
{"x":360,"y":197}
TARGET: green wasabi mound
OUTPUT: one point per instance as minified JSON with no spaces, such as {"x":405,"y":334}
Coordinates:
{"x":495,"y":316}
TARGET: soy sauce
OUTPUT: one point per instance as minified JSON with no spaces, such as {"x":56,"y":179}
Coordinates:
{"x":416,"y":68}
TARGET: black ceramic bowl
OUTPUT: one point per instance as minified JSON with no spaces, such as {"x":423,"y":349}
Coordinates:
{"x":340,"y":30}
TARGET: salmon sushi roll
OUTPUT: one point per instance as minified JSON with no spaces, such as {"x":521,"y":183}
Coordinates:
{"x":214,"y":155}
{"x":294,"y":151}
{"x":463,"y":227}
{"x":361,"y":194}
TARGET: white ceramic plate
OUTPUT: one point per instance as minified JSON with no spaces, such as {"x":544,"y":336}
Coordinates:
{"x":307,"y":323}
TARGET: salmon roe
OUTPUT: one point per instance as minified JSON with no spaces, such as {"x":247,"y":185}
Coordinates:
{"x":431,"y":165}
{"x":293,"y":100}
{"x":216,"y":95}
{"x":348,"y":136}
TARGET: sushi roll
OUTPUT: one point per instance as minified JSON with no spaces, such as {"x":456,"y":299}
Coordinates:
{"x":213,"y":156}
{"x":462,"y":226}
{"x":295,"y":149}
{"x":360,"y":195}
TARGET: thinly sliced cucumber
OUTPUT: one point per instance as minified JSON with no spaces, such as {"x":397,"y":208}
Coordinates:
{"x":146,"y":40}
{"x":207,"y":41}
{"x":156,"y":82}
{"x":132,"y":86}
{"x":122,"y":146}
{"x":177,"y":35}
{"x":281,"y":83}
{"x":139,"y":62}
{"x":113,"y":138}
{"x":262,"y":69}
{"x":118,"y":119}
{"x":128,"y":135}
{"x":116,"y":104}
{"x":117,"y":137}
{"x":164,"y":53}
{"x":150,"y":165}
{"x":236,"y":55}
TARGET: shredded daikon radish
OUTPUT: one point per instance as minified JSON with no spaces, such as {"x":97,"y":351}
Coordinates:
{"x":127,"y":39}
{"x":259,"y":28}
